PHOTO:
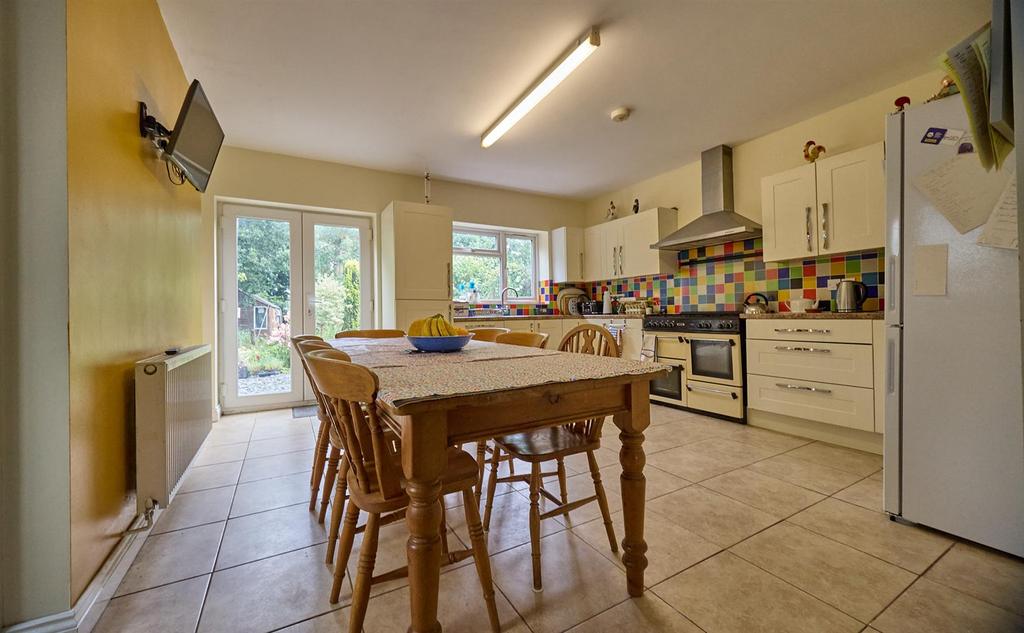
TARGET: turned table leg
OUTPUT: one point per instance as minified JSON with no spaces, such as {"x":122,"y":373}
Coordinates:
{"x":631,"y":425}
{"x":424,"y":442}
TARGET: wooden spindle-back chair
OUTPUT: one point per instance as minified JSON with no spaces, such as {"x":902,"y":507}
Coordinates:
{"x":487,"y":334}
{"x":525,"y":339}
{"x":303,"y":345}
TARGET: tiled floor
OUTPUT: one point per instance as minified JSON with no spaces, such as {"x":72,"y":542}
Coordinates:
{"x":748,"y":530}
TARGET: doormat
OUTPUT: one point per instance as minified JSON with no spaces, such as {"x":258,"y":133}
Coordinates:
{"x":304,"y":412}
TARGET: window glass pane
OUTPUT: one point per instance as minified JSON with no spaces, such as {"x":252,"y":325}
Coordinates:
{"x":474,"y":240}
{"x":519,"y":265}
{"x":482,"y":270}
{"x":336,"y":270}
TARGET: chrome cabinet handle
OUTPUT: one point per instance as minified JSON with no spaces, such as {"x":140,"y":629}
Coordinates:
{"x":449,"y":280}
{"x":810,"y":249}
{"x":890,"y":357}
{"x":801,"y":330}
{"x":721,"y":392}
{"x":824,"y":225}
{"x":787,"y":348}
{"x":892,"y":276}
{"x":784,"y":385}
{"x":580,"y":273}
{"x":621,"y":267}
{"x":615,"y":266}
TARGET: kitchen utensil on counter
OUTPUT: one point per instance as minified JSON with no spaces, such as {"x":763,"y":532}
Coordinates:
{"x":607,"y":307}
{"x":755,"y":307}
{"x":572,"y":304}
{"x":850,"y":295}
{"x":801,"y":305}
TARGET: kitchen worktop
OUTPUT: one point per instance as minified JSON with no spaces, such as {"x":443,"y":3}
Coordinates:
{"x":537,"y":317}
{"x":877,"y":315}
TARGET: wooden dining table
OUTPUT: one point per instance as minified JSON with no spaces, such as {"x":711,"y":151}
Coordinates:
{"x":434,"y":401}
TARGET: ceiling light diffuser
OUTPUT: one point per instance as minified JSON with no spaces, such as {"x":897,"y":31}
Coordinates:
{"x":570,"y":61}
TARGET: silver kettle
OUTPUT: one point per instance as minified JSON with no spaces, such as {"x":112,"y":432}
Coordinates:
{"x":850,"y":295}
{"x":755,"y":306}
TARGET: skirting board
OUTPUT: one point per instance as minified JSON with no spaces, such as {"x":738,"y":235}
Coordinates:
{"x":87,"y":611}
{"x":850,"y":438}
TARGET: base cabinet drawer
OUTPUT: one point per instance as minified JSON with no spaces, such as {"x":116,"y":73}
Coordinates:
{"x":852,"y":407}
{"x":720,"y":399}
{"x":825,"y":330}
{"x":839,"y":363}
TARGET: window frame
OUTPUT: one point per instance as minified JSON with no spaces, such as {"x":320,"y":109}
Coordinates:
{"x":501,"y":253}
{"x":255,"y":317}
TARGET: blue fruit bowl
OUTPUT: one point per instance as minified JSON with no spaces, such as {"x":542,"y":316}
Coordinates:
{"x":439,"y":343}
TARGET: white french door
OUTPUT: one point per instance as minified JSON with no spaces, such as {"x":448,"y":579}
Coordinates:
{"x":286,"y":272}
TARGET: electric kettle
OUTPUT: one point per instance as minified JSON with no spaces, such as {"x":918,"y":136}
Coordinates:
{"x":850,"y":295}
{"x":755,"y":306}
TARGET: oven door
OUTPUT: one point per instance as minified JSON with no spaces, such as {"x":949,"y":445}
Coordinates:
{"x":715,"y":358}
{"x":671,"y":387}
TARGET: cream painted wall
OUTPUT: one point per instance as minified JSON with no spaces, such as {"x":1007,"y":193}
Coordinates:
{"x":847,"y":127}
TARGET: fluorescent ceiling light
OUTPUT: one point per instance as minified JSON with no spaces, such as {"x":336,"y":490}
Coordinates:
{"x":579,"y":51}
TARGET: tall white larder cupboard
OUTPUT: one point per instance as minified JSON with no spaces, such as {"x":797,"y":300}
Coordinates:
{"x":416,"y":262}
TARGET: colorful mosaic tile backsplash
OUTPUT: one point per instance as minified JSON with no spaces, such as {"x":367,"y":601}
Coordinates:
{"x":718,"y":278}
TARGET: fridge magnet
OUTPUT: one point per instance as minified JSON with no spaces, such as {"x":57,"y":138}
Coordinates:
{"x":901,"y":103}
{"x":933,"y":136}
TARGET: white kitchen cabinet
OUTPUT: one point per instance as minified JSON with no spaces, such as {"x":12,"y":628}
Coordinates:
{"x":551,"y":327}
{"x":622,"y":247}
{"x":567,"y":254}
{"x":835,"y":205}
{"x":416,"y":258}
{"x":520,"y":325}
{"x":632,"y":340}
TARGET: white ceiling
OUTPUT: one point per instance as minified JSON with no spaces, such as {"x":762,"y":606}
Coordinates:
{"x":405,"y":84}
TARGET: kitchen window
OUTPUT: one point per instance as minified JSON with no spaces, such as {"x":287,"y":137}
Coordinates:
{"x":491,"y":261}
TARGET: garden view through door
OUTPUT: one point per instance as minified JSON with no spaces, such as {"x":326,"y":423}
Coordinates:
{"x":286,"y":272}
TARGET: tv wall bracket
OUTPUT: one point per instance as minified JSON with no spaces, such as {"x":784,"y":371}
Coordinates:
{"x":152,"y":129}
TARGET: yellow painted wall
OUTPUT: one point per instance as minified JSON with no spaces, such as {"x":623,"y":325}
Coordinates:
{"x":856,"y":124}
{"x":135,"y":263}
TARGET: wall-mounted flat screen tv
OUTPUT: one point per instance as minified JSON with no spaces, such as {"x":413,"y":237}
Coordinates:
{"x":196,"y":139}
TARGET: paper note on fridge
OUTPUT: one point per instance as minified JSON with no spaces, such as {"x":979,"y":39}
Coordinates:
{"x":962,"y":190}
{"x":1001,"y":229}
{"x":929,"y":266}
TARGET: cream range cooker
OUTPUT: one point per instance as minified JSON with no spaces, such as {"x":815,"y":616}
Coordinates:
{"x":705,"y":350}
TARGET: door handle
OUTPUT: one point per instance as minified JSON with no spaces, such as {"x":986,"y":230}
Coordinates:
{"x":621,"y":267}
{"x":449,"y":280}
{"x":720,"y":392}
{"x":890,"y":358}
{"x":615,"y":269}
{"x":824,"y":225}
{"x":810,"y":249}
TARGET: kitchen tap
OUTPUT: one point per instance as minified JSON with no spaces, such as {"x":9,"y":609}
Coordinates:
{"x":504,"y":298}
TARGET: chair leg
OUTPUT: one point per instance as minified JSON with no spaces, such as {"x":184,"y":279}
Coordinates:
{"x":483,"y":563}
{"x":332,"y":472}
{"x":481,"y":463}
{"x":602,"y":500}
{"x":492,"y":487}
{"x":535,"y":523}
{"x":563,"y":488}
{"x":444,"y":531}
{"x":348,"y":535}
{"x":337,"y":508}
{"x":364,"y":575}
{"x":319,"y":460}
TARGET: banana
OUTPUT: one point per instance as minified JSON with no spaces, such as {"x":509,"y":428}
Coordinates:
{"x":434,"y":329}
{"x":416,"y":328}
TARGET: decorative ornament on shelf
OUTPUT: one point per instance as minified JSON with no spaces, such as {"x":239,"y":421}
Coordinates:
{"x":610,"y":215}
{"x":636,"y":205}
{"x":426,"y":187}
{"x":901,"y":104}
{"x":813,"y":151}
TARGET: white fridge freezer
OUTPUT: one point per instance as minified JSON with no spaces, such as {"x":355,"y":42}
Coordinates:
{"x":954,"y":428}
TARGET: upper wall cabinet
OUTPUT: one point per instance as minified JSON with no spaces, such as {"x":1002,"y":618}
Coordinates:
{"x":835,"y":205}
{"x":622,"y":247}
{"x":567,"y":254}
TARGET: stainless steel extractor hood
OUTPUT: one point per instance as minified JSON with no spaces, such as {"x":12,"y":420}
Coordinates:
{"x":718,"y":223}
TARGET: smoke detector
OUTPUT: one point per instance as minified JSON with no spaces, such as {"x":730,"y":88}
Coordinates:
{"x":620,"y":114}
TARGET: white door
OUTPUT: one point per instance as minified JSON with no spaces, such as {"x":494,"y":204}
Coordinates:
{"x":286,"y":272}
{"x":787,"y":214}
{"x":594,"y":256}
{"x":851,"y":200}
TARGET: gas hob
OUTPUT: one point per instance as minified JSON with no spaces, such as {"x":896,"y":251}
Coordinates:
{"x":723,"y":322}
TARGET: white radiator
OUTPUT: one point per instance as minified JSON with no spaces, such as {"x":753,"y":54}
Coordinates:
{"x":173,"y":415}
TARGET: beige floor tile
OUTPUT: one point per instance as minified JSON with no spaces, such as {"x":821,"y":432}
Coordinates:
{"x":333,"y":622}
{"x":276,"y":466}
{"x":578,"y":583}
{"x":275,"y":415}
{"x":992,"y":576}
{"x":648,"y":613}
{"x":267,"y":494}
{"x":213,"y":476}
{"x":803,"y":473}
{"x":195,"y":508}
{"x":236,"y":419}
{"x":763,"y":437}
{"x":221,"y":435}
{"x":866,"y":493}
{"x":168,"y":609}
{"x":929,"y":607}
{"x":694,"y":464}
{"x":278,"y":445}
{"x":774,"y":496}
{"x":510,"y":523}
{"x":673,"y":434}
{"x":167,"y":558}
{"x":910,"y":547}
{"x":579,"y":487}
{"x":269,"y":593}
{"x":460,"y":607}
{"x":660,"y":415}
{"x":269,"y":533}
{"x":839,"y":457}
{"x":715,"y":517}
{"x":282,"y":428}
{"x":726,"y":594}
{"x":219,"y":454}
{"x":852,"y":581}
{"x":670,"y":548}
{"x":659,"y":482}
{"x":579,"y":464}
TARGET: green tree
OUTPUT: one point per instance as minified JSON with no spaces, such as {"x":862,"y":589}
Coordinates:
{"x":350,"y":283}
{"x":264,"y":262}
